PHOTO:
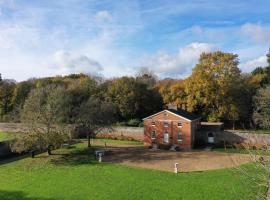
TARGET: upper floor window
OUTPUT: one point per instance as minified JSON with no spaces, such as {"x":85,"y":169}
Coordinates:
{"x":166,"y":124}
{"x":153,"y":123}
{"x":153,"y":135}
{"x":179,"y":124}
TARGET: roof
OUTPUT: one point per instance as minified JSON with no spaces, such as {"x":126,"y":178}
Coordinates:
{"x":185,"y":114}
{"x":179,"y":112}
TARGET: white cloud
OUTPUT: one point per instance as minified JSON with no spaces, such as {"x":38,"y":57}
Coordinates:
{"x":252,"y":64}
{"x":67,"y":63}
{"x":103,"y":16}
{"x":256,"y":32}
{"x":180,"y":64}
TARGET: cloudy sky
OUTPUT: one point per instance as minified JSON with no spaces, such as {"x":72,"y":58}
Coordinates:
{"x":113,"y":38}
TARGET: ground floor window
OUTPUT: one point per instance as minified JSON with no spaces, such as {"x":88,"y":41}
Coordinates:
{"x":166,"y":137}
{"x":153,"y":135}
{"x":179,"y":136}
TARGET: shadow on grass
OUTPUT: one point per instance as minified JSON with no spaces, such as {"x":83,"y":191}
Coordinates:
{"x":75,"y":157}
{"x":12,"y":158}
{"x":18,"y":195}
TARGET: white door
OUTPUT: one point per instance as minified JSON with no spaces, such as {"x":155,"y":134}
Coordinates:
{"x":210,"y":138}
{"x":166,"y":138}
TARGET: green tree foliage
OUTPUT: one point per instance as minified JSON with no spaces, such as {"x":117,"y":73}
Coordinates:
{"x":261,"y":113}
{"x":6,"y":94}
{"x":211,"y":87}
{"x":42,"y":112}
{"x":262,"y":74}
{"x":94,"y":115}
{"x":78,"y":92}
{"x":133,"y":98}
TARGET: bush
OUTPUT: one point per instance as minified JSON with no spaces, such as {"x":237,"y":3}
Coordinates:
{"x":134,"y":122}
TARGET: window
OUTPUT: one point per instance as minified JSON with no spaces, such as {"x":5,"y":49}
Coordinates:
{"x":153,"y":123}
{"x":166,"y":137}
{"x":179,"y":136}
{"x":179,"y":124}
{"x":166,"y":124}
{"x":153,"y":135}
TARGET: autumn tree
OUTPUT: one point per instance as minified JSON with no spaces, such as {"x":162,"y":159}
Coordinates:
{"x":173,"y":92}
{"x":212,"y":84}
{"x":94,"y":115}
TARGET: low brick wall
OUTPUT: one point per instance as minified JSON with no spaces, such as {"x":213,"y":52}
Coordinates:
{"x":247,"y":137}
{"x":12,"y":127}
{"x":133,"y":132}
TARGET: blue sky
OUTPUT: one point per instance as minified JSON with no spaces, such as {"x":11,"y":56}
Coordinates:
{"x":116,"y":37}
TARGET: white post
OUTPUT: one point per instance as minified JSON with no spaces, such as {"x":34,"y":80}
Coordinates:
{"x":176,"y":168}
{"x":100,"y":157}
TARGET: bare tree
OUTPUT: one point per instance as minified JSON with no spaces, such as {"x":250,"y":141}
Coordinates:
{"x":95,"y":115}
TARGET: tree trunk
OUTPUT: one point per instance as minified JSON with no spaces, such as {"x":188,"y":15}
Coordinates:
{"x":268,"y":190}
{"x":88,"y":139}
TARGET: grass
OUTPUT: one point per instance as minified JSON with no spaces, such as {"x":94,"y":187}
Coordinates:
{"x":253,"y":131}
{"x":243,"y":151}
{"x":74,"y":174}
{"x":6,"y":136}
{"x":123,"y":142}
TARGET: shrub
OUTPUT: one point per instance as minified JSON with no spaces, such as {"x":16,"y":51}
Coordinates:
{"x":134,"y":122}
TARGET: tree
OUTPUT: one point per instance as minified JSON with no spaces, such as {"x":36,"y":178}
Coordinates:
{"x":94,"y":115}
{"x":147,"y":77}
{"x":42,"y":113}
{"x":6,"y":93}
{"x":122,"y":92}
{"x":173,"y":92}
{"x":268,"y":58}
{"x":133,"y":98}
{"x":261,"y":113}
{"x":211,"y":84}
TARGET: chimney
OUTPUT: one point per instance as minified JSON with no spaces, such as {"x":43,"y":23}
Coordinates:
{"x":171,"y":106}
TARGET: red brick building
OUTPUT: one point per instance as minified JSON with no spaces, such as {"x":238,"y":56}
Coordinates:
{"x":171,"y":127}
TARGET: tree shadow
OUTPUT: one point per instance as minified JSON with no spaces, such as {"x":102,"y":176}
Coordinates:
{"x":75,"y":157}
{"x":18,"y":195}
{"x":139,"y":155}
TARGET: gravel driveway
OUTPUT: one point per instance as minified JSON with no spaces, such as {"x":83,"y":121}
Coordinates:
{"x":164,"y":160}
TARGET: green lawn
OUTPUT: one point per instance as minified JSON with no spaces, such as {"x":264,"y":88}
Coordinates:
{"x":243,"y":151}
{"x":124,"y":142}
{"x":6,"y":136}
{"x":73,"y":174}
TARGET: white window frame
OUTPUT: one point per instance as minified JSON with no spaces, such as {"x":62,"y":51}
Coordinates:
{"x":153,"y":123}
{"x":167,"y":124}
{"x":167,"y":138}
